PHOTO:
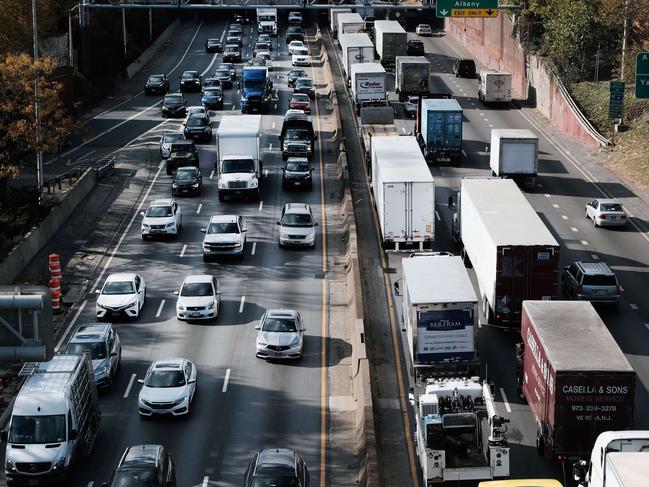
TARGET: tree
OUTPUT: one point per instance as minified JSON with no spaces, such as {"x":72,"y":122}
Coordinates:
{"x":23,"y":82}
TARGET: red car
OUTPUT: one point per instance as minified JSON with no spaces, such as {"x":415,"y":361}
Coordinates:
{"x":300,"y":102}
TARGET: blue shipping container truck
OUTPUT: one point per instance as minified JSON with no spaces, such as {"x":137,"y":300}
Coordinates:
{"x":255,"y":90}
{"x":441,"y":130}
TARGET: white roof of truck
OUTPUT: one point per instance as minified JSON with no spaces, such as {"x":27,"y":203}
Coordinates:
{"x":440,"y":104}
{"x":349,"y":17}
{"x":401,"y":160}
{"x":632,"y":468}
{"x":239,"y":125}
{"x":437,"y":279}
{"x":574,"y":337}
{"x":388,"y":26}
{"x":367,"y":68}
{"x":506,"y":213}
{"x":354,"y":40}
{"x":513,"y":134}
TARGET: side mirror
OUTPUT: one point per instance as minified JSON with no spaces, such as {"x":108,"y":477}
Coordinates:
{"x":277,"y":223}
{"x":257,"y":327}
{"x":565,"y":268}
{"x":176,"y":293}
{"x":451,"y":202}
{"x":311,"y":170}
{"x":140,"y":381}
{"x":97,"y":291}
{"x":579,"y":471}
{"x":142,"y":213}
{"x":204,"y":230}
{"x":218,"y":293}
{"x":113,"y":354}
{"x":191,"y":381}
{"x":74,"y":434}
{"x":396,"y":289}
{"x":316,"y":224}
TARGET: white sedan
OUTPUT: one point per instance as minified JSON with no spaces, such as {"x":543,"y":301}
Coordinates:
{"x":122,"y":294}
{"x":423,"y":30}
{"x":168,"y":387}
{"x":199,"y":298}
{"x":606,"y":213}
{"x":294,"y":45}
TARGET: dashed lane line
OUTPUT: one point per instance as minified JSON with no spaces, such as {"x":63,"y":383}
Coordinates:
{"x":162,"y":303}
{"x":633,"y":306}
{"x":225,"y":382}
{"x":254,"y":248}
{"x":130,"y":384}
{"x":243,"y":301}
{"x":584,"y":243}
{"x":200,"y":207}
{"x":505,"y":401}
{"x":182,"y":252}
{"x":261,"y":205}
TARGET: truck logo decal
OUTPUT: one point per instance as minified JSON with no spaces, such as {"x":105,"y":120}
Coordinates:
{"x":371,"y":85}
{"x":544,"y":369}
{"x":359,"y":57}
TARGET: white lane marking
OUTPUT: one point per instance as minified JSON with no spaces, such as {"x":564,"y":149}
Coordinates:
{"x":633,"y":306}
{"x":481,"y":114}
{"x":265,"y":172}
{"x":547,"y":195}
{"x":270,"y":146}
{"x":403,"y":129}
{"x":261,"y":205}
{"x":243,"y":300}
{"x":273,"y":125}
{"x":505,"y":401}
{"x":212,"y":174}
{"x":225,"y":385}
{"x":486,"y":119}
{"x":594,"y":256}
{"x":564,"y":217}
{"x":491,"y":125}
{"x":584,"y":243}
{"x":275,"y":105}
{"x":88,"y":154}
{"x":162,"y":303}
{"x":646,"y":325}
{"x":254,"y":248}
{"x":91,"y":483}
{"x":198,"y":210}
{"x":206,"y":479}
{"x":539,"y":185}
{"x":182,"y":252}
{"x":437,"y":216}
{"x":574,"y":229}
{"x":555,"y":206}
{"x":234,"y":107}
{"x":76,"y":317}
{"x":130,"y":384}
{"x":186,"y":50}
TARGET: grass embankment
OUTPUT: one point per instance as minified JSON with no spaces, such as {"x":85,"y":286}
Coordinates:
{"x":630,"y":156}
{"x":18,"y":215}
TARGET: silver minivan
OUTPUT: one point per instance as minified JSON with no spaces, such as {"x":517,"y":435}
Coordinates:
{"x":591,"y":281}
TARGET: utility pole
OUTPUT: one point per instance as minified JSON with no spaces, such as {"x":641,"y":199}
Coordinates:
{"x":625,"y":35}
{"x":39,"y":152}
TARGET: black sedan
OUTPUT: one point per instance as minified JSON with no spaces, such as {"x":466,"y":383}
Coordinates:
{"x":198,"y":128}
{"x":223,"y":75}
{"x":415,"y":48}
{"x":190,"y":81}
{"x":231,"y":68}
{"x":304,"y":85}
{"x":294,"y":74}
{"x":212,"y":98}
{"x":296,"y":174}
{"x":157,"y":84}
{"x":174,"y":105}
{"x":232,"y":53}
{"x":188,"y":180}
{"x":294,"y":34}
{"x":213,"y":45}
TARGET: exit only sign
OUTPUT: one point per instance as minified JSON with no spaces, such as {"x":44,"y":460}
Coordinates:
{"x":467,"y":8}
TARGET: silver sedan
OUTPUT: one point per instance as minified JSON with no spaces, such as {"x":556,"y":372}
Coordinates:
{"x":606,"y":213}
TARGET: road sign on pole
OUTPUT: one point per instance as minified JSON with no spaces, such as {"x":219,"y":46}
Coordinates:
{"x":642,"y":75}
{"x":616,"y":100}
{"x":466,"y":8}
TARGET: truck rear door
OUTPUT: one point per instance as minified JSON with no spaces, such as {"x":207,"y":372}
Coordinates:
{"x":396,"y":210}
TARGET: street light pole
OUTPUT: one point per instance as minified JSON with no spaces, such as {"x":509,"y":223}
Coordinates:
{"x":625,"y":34}
{"x":39,"y":152}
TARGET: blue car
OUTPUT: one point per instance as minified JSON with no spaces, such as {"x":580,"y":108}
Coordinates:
{"x":212,"y":98}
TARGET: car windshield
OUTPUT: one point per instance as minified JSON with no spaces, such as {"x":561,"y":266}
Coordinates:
{"x":37,"y":429}
{"x":212,"y":41}
{"x":610,"y":207}
{"x":237,"y":165}
{"x":190,"y":75}
{"x":231,"y":49}
{"x":165,"y":378}
{"x":211,"y":82}
{"x":225,"y":72}
{"x":197,"y":289}
{"x":173,"y":99}
{"x":301,"y":166}
{"x":97,"y":349}
{"x":297,"y":134}
{"x":212,"y":92}
{"x":279,"y":325}
{"x":155,"y":79}
{"x":185,"y":175}
{"x":301,"y":97}
{"x":297,"y":220}
{"x":225,"y":227}
{"x":304,"y":83}
{"x":135,"y":478}
{"x":298,"y":73}
{"x":159,"y":212}
{"x":254,"y":84}
{"x":197,"y":122}
{"x":599,"y":280}
{"x":301,"y":51}
{"x":275,"y":481}
{"x":118,"y":287}
{"x":294,"y":30}
{"x":169,"y":138}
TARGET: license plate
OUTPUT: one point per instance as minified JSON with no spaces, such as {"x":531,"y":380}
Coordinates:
{"x":157,"y":231}
{"x":297,"y":184}
{"x":195,"y":315}
{"x":32,"y":482}
{"x":185,"y":190}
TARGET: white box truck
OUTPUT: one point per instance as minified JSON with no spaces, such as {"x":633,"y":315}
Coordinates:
{"x":391,"y":41}
{"x":267,"y":21}
{"x":356,"y":48}
{"x":54,"y":420}
{"x":367,"y":84}
{"x":515,"y":155}
{"x":350,"y":23}
{"x":404,"y":193}
{"x":495,"y":86}
{"x":618,"y":459}
{"x":239,"y":164}
{"x":333,"y":19}
{"x":440,"y":314}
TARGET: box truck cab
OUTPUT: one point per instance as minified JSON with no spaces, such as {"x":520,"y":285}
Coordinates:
{"x":54,"y":419}
{"x":267,"y":21}
{"x":255,"y":89}
{"x":239,"y":163}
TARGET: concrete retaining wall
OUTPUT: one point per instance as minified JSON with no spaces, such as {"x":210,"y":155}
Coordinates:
{"x":133,"y":68}
{"x":35,"y":240}
{"x":492,"y":43}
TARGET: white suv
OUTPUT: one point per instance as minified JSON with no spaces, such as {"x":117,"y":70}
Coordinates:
{"x":224,"y":235}
{"x":296,"y":226}
{"x":162,"y":218}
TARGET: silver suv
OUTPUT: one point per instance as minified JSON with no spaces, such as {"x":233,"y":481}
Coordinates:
{"x":296,"y":226}
{"x":101,"y":341}
{"x":225,"y":235}
{"x":591,"y":281}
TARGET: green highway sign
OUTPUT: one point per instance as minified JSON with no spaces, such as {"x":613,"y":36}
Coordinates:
{"x":616,"y":99}
{"x":466,"y":8}
{"x":641,"y":75}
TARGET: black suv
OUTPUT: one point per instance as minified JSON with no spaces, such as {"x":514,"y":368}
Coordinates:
{"x":213,"y":45}
{"x":415,"y":48}
{"x":190,"y":81}
{"x":157,"y":84}
{"x":198,"y":127}
{"x":187,"y":181}
{"x":294,"y":34}
{"x":278,"y":467}
{"x":464,"y":68}
{"x":232,"y":53}
{"x":294,"y":74}
{"x":182,"y":153}
{"x":142,"y":465}
{"x":174,"y":105}
{"x":296,"y":173}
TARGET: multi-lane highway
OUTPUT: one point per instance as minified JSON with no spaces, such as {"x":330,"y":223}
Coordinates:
{"x":242,"y":403}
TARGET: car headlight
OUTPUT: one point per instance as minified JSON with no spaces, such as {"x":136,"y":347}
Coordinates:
{"x":10,"y":465}
{"x":132,"y":305}
{"x":146,"y":226}
{"x":59,"y":464}
{"x":195,"y":185}
{"x":101,"y":306}
{"x":310,"y":237}
{"x":244,"y":99}
{"x":261,"y":344}
{"x":211,"y":305}
{"x":207,"y":130}
{"x":295,"y":342}
{"x":169,"y":225}
{"x":174,"y":185}
{"x":180,"y":400}
{"x":222,"y":185}
{"x":253,"y":183}
{"x":146,"y":403}
{"x":181,"y":307}
{"x":101,"y":370}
